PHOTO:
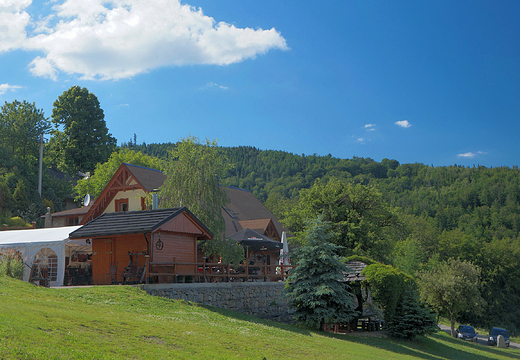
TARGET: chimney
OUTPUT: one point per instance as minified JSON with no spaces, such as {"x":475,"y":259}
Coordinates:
{"x":155,"y":199}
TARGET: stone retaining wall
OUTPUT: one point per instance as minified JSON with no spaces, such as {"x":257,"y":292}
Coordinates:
{"x":263,"y":299}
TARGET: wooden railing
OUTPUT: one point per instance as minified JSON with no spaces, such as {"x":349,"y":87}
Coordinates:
{"x":162,"y":272}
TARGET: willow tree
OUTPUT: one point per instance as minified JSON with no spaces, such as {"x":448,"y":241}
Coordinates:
{"x":193,"y":169}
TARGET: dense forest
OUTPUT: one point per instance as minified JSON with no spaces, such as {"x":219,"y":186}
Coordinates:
{"x":467,"y":213}
{"x":411,"y":216}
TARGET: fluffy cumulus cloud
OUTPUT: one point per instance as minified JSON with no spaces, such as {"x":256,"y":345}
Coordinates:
{"x":13,"y":23}
{"x":403,"y":123}
{"x":370,"y":127}
{"x":6,"y":87}
{"x":121,"y":38}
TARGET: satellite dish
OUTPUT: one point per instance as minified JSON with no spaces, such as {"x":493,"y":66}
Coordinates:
{"x":88,"y":198}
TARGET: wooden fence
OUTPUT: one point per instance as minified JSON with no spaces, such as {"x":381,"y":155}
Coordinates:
{"x":161,"y":272}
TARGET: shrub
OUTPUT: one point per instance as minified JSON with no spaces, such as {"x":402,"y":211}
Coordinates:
{"x":11,"y":266}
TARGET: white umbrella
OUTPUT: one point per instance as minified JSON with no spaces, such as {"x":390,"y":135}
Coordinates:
{"x":284,"y":252}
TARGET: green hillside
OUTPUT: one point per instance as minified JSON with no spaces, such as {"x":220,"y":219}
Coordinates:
{"x":122,"y":322}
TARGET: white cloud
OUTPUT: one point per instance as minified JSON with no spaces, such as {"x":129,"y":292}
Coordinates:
{"x":97,"y":39}
{"x":403,"y":123}
{"x":6,"y":87}
{"x":361,"y":140}
{"x":370,"y":127}
{"x":212,"y":84}
{"x":470,"y":155}
{"x":13,"y":21}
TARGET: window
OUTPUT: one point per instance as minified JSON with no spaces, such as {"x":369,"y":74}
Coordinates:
{"x":45,"y":265}
{"x":121,"y":205}
{"x":73,"y":221}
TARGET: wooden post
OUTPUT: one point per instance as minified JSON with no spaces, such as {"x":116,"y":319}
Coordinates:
{"x":204,"y":269}
{"x":174,"y":269}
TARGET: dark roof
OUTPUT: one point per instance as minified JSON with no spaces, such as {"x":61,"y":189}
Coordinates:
{"x":76,"y":211}
{"x":130,"y":222}
{"x":356,"y":267}
{"x":149,"y":178}
{"x":255,"y":241}
{"x":244,"y":206}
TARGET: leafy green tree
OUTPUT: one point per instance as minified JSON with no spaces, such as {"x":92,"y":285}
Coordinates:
{"x":387,"y":285}
{"x":20,"y":198}
{"x":451,"y":287}
{"x":396,"y":292}
{"x":85,"y":140}
{"x":6,"y":199}
{"x":192,"y":174}
{"x":358,"y":214}
{"x":315,"y":287}
{"x":96,"y":182}
{"x":21,"y":125}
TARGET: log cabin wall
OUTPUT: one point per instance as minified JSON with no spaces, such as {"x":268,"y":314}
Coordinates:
{"x":102,"y":255}
{"x":134,"y":243}
{"x":115,"y":249}
{"x":181,"y":246}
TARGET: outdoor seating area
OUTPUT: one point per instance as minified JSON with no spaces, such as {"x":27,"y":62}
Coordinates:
{"x":78,"y":273}
{"x":361,"y":324}
{"x":216,"y":272}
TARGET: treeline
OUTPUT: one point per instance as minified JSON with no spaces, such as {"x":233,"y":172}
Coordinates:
{"x":484,"y":202}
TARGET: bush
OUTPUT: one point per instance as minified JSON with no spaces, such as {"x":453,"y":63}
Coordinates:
{"x":10,"y":266}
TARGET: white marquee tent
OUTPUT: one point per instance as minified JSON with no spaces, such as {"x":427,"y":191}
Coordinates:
{"x":49,"y":245}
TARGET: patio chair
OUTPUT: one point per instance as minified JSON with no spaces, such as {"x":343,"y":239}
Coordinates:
{"x":112,"y":274}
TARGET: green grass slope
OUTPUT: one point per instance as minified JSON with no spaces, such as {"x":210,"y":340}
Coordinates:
{"x":122,"y":322}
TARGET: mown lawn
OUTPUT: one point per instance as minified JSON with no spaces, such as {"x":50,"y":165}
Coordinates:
{"x":122,"y":322}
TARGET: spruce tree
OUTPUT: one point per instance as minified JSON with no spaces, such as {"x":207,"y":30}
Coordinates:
{"x":411,"y":318}
{"x":315,"y":288}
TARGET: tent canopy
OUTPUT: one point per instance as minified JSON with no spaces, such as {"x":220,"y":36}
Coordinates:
{"x":30,"y":242}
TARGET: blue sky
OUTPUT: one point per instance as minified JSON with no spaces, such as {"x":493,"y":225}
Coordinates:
{"x":433,"y":82}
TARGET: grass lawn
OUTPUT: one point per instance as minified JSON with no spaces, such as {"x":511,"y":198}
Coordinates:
{"x":122,"y":322}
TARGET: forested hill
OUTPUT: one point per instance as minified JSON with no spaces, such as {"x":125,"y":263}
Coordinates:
{"x":482,"y":201}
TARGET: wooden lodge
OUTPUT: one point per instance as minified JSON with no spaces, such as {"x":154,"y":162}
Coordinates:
{"x":127,"y":245}
{"x":109,"y":222}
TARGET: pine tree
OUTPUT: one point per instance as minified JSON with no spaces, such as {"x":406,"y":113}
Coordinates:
{"x":411,"y":318}
{"x":315,"y":288}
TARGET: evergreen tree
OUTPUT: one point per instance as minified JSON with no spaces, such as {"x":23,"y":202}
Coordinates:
{"x":315,"y":288}
{"x":411,"y":318}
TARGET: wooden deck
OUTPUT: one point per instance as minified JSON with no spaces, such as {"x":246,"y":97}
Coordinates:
{"x":161,"y":272}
